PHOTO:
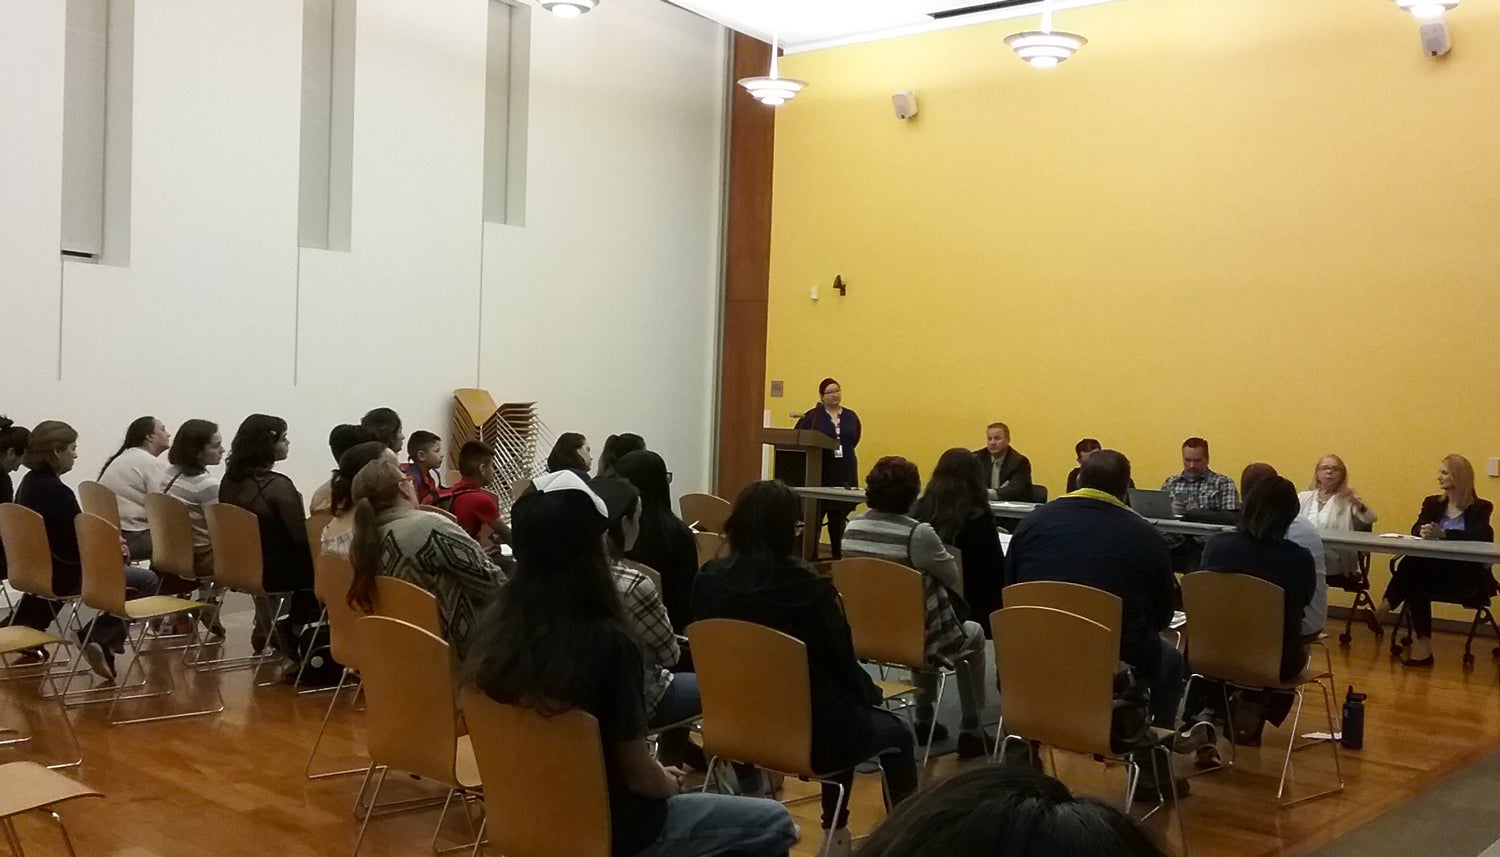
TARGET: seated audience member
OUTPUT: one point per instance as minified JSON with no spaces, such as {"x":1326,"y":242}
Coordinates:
{"x":51,"y":453}
{"x":1007,"y":811}
{"x":670,"y":698}
{"x":886,"y":531}
{"x":571,"y":452}
{"x":13,"y":441}
{"x":1091,"y":537}
{"x":1198,"y":493}
{"x":555,"y":639}
{"x":1082,"y":450}
{"x":133,"y":472}
{"x":251,"y":483}
{"x":1300,"y":532}
{"x":385,"y":424}
{"x":764,"y":580}
{"x":956,"y":507}
{"x":665,"y":542}
{"x":616,"y":447}
{"x":340,"y":440}
{"x":197,"y":447}
{"x":1260,"y":547}
{"x":339,"y":533}
{"x":1456,"y":514}
{"x":469,"y":501}
{"x":392,"y":537}
{"x":424,"y":453}
{"x":1007,"y":473}
{"x":1331,"y":504}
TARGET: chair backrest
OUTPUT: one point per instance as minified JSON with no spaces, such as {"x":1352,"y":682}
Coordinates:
{"x":412,"y":721}
{"x":316,"y":524}
{"x":887,"y":610}
{"x":757,"y":700}
{"x":1038,"y":493}
{"x":1234,"y":622}
{"x":235,"y":535}
{"x":564,"y":812}
{"x":1086,"y":601}
{"x":709,"y":545}
{"x":408,"y":602}
{"x":28,"y":554}
{"x":332,"y":577}
{"x":171,"y":536}
{"x":100,"y":502}
{"x":646,"y":570}
{"x":438,"y":510}
{"x":1067,"y":707}
{"x":103,"y":564}
{"x":705,"y":511}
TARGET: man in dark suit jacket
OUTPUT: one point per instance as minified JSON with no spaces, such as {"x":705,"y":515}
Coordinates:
{"x":1007,"y":473}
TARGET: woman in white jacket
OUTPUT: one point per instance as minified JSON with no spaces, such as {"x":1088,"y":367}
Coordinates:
{"x":1332,"y":505}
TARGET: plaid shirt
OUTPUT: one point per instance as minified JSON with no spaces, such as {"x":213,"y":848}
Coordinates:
{"x":646,"y":617}
{"x":1213,"y":492}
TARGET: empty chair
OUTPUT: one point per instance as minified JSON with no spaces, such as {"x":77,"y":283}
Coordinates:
{"x":100,"y":502}
{"x":19,"y":638}
{"x":565,"y":812}
{"x":704,"y":512}
{"x":1237,"y":639}
{"x":27,"y":786}
{"x":1038,"y":494}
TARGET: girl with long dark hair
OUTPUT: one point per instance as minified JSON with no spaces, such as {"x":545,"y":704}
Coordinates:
{"x":665,"y":543}
{"x":570,"y":452}
{"x":197,"y":447}
{"x":133,"y":472}
{"x":957,"y":507}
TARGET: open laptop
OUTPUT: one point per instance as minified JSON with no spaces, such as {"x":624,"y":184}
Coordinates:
{"x":1151,"y":504}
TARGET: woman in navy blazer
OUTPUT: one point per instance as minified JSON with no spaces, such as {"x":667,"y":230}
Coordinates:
{"x":1455,"y":514}
{"x":840,"y":466}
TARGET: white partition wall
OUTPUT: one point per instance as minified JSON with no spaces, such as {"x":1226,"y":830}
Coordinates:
{"x":603,"y":306}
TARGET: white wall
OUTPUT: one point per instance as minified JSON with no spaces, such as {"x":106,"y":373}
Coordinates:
{"x":602,"y":308}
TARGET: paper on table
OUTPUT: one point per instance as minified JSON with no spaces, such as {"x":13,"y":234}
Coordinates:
{"x":1399,"y":536}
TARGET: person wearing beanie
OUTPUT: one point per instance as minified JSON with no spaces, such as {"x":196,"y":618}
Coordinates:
{"x":555,"y":639}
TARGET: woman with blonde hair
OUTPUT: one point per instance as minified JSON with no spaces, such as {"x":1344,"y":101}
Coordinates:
{"x":1455,"y":514}
{"x":1331,"y":504}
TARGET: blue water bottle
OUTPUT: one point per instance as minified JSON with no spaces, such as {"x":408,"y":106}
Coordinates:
{"x":1354,"y":720}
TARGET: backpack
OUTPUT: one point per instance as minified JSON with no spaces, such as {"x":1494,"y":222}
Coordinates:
{"x":321,"y":670}
{"x":445,"y":500}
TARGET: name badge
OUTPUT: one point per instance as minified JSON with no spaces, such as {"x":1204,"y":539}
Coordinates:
{"x":838,"y":453}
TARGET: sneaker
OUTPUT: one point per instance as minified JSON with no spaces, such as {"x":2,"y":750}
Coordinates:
{"x":1189,"y":740}
{"x":922,"y":727}
{"x":101,"y":660}
{"x":837,"y":843}
{"x":257,"y":640}
{"x":974,"y":745}
{"x":32,"y":657}
{"x":1207,"y":758}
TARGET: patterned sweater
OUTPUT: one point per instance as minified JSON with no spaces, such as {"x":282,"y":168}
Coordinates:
{"x":436,"y":554}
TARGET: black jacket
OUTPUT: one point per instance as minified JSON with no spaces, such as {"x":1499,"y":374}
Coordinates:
{"x":795,"y":600}
{"x":1015,"y":475}
{"x":1477,"y":528}
{"x":45,"y":494}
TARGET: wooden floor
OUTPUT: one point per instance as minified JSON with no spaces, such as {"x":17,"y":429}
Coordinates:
{"x":231,"y":784}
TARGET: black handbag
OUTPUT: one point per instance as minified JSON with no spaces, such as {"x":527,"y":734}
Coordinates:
{"x":1130,"y":716}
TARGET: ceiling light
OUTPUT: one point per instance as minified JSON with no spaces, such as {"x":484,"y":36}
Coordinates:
{"x":568,"y":8}
{"x":1044,"y":48}
{"x":773,"y":90}
{"x":1427,"y":9}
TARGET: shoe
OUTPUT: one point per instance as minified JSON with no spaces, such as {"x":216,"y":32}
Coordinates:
{"x":922,"y":727}
{"x":101,"y":660}
{"x":1414,"y":662}
{"x":1020,"y":753}
{"x":258,"y":640}
{"x":974,"y":745}
{"x":1150,"y":792}
{"x":1207,"y":758}
{"x":837,"y":843}
{"x":1191,"y":739}
{"x":32,"y":657}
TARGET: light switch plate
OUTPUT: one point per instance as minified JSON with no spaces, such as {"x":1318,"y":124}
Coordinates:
{"x":776,"y":389}
{"x":1492,"y":467}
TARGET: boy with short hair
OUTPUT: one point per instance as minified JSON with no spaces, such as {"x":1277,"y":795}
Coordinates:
{"x":469,"y":501}
{"x":425,"y":451}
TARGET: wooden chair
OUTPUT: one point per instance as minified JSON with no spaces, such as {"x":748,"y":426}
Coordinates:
{"x":408,"y":602}
{"x":437,"y":510}
{"x":757,"y":700}
{"x":171,"y":537}
{"x":409,"y":706}
{"x":27,"y":786}
{"x":238,"y":566}
{"x":1038,"y":494}
{"x":316,"y":524}
{"x":1072,"y":708}
{"x":886,"y":607}
{"x":332,"y":577}
{"x":564,"y":812}
{"x":28,"y":556}
{"x":19,"y":638}
{"x":1236,"y":639}
{"x":1106,"y":608}
{"x":100,"y":502}
{"x":709,"y":545}
{"x":704,"y":512}
{"x":104,"y":590}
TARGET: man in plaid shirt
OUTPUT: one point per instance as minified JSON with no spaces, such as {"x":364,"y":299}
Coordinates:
{"x":1197,"y":489}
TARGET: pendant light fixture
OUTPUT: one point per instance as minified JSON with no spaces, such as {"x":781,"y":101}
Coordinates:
{"x":569,"y":8}
{"x":1044,"y":48}
{"x":1427,"y":9}
{"x":773,"y":90}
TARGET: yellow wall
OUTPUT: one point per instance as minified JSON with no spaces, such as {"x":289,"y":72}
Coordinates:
{"x":1273,"y":223}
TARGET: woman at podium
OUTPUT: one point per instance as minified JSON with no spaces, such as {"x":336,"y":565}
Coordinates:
{"x":840,"y":467}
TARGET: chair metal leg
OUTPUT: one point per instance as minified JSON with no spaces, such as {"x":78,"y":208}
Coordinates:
{"x":307,"y":657}
{"x":14,"y":841}
{"x":937,"y":704}
{"x":838,"y":809}
{"x":1132,"y":778}
{"x":374,"y":798}
{"x":135,"y":645}
{"x":312,"y":754}
{"x":62,"y":828}
{"x":479,"y":840}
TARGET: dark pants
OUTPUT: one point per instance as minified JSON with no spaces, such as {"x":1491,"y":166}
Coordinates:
{"x":838,"y":520}
{"x":1418,"y":581}
{"x":138,"y":542}
{"x":1166,"y":682}
{"x":892,"y":739}
{"x":108,"y":631}
{"x":1187,"y":555}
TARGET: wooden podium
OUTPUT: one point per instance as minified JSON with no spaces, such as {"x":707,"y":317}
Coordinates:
{"x":797,"y":460}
